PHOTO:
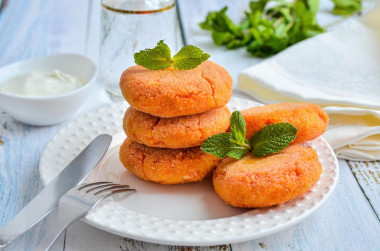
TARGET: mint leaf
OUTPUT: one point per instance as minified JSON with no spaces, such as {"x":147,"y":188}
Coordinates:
{"x":238,"y":131}
{"x":208,"y":23}
{"x":189,"y":57}
{"x":346,"y":7}
{"x":305,"y":24}
{"x":258,"y":5}
{"x":219,"y":21}
{"x":312,"y":5}
{"x":217,"y":145}
{"x":237,"y":152}
{"x":221,"y":38}
{"x":221,"y":146}
{"x":272,"y":139}
{"x":154,"y":59}
{"x":239,"y":42}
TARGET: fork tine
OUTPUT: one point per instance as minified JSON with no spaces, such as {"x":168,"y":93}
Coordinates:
{"x":93,"y":184}
{"x":99,"y":187}
{"x":119,"y":191}
{"x":123,"y":190}
{"x":111,"y":188}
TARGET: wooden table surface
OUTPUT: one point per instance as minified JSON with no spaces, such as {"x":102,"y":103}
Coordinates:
{"x":349,"y":220}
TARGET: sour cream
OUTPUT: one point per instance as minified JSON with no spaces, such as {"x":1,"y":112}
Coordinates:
{"x":41,"y":84}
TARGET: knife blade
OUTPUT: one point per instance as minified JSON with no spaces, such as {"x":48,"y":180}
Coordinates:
{"x":46,"y":200}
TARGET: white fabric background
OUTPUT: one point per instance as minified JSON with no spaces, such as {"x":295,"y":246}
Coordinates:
{"x":339,"y":70}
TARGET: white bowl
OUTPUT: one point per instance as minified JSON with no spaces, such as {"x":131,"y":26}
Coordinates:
{"x":42,"y":111}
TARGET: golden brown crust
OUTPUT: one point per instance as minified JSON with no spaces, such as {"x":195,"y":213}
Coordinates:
{"x":310,"y":120}
{"x":171,"y":93}
{"x":178,"y":132}
{"x":166,"y":166}
{"x":267,"y":181}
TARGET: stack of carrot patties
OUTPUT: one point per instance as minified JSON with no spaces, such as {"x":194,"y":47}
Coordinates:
{"x":172,"y":112}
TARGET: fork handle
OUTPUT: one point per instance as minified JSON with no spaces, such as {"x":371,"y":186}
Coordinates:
{"x":64,"y":219}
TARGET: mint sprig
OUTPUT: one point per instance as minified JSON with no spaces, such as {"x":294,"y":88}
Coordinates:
{"x":221,"y":145}
{"x":189,"y":57}
{"x":271,"y":139}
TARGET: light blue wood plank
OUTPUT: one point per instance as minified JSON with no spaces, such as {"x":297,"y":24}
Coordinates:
{"x":19,"y":176}
{"x":28,"y":29}
{"x":31,"y":28}
{"x":40,"y":27}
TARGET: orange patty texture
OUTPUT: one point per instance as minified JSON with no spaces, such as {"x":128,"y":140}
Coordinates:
{"x":178,"y":132}
{"x":171,"y":92}
{"x":166,"y":166}
{"x":310,"y":120}
{"x":267,"y":181}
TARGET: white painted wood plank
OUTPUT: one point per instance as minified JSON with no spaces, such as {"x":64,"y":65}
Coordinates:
{"x":345,"y":222}
{"x":347,"y":216}
{"x":80,"y":236}
{"x":368,"y":176}
{"x":244,"y":246}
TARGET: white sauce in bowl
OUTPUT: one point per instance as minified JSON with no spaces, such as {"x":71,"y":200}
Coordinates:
{"x":41,"y":84}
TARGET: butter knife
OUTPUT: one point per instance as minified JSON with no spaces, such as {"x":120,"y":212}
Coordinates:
{"x":45,"y":201}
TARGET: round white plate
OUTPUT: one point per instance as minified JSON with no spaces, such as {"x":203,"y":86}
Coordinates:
{"x":190,"y":214}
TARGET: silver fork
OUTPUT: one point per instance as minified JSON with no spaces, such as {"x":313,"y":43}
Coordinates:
{"x":76,"y":203}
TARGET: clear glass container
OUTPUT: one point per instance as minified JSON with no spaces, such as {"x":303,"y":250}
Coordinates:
{"x":128,"y":26}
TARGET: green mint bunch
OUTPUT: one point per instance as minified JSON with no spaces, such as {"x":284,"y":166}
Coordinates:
{"x":189,"y":57}
{"x":271,"y":139}
{"x":271,"y":26}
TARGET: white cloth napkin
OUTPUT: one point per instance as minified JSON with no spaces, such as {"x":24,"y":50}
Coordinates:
{"x":339,"y":70}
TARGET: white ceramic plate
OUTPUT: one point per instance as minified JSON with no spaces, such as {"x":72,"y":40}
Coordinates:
{"x":190,"y":214}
